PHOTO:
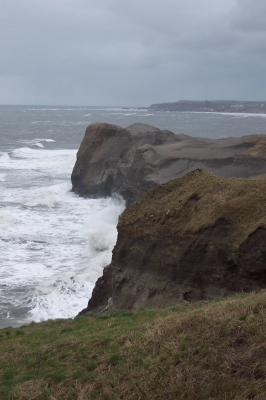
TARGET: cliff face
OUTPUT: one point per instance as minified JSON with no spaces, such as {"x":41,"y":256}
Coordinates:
{"x":212,"y":106}
{"x":113,"y":160}
{"x":192,"y":238}
{"x":133,"y":160}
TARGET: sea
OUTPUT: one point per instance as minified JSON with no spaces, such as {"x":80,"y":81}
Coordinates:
{"x":53,"y":243}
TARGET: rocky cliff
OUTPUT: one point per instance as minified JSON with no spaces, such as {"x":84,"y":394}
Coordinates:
{"x":192,"y":238}
{"x":228,"y":106}
{"x":131,"y":161}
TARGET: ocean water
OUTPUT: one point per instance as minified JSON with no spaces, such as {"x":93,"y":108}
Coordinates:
{"x":54,"y":244}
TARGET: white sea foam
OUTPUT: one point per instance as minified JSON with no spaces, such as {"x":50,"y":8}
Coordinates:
{"x":98,"y":228}
{"x":6,"y":220}
{"x":63,"y":298}
{"x":228,"y":114}
{"x":122,"y":113}
{"x":4,"y":157}
{"x":2,"y":177}
{"x":43,"y":197}
{"x":53,"y":244}
{"x":38,"y":144}
{"x":47,"y":161}
{"x":67,"y":292}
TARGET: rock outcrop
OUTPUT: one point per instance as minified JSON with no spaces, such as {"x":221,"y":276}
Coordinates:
{"x":131,"y":161}
{"x":193,"y":238}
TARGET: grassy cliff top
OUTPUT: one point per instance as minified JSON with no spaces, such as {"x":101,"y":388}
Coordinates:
{"x":257,"y":145}
{"x":206,"y":350}
{"x":186,"y":205}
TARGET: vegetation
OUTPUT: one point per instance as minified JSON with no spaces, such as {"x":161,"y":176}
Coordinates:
{"x":205,"y":350}
{"x":256,"y":146}
{"x":179,"y":206}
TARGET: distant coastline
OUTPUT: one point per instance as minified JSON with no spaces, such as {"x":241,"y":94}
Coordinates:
{"x":252,"y":107}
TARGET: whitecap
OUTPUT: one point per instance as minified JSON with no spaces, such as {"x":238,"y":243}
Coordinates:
{"x":46,"y":199}
{"x":54,"y":162}
{"x":45,"y":140}
{"x":47,"y":196}
{"x":38,"y":144}
{"x":4,"y":158}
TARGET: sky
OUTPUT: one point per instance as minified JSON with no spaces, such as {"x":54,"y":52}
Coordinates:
{"x":131,"y":52}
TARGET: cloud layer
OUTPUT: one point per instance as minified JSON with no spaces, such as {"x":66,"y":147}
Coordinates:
{"x":123,"y":52}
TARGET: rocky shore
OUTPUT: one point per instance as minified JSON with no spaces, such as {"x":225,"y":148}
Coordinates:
{"x":196,"y":237}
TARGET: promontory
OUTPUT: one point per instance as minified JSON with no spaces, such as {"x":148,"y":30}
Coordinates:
{"x":195,"y":225}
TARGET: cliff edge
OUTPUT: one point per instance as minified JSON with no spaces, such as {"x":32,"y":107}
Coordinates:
{"x":192,"y":238}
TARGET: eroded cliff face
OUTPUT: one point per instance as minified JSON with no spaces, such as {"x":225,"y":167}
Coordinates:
{"x":131,"y":161}
{"x":112,"y":160}
{"x":193,"y":238}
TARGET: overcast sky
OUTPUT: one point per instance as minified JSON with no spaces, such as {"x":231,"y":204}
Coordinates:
{"x":131,"y":52}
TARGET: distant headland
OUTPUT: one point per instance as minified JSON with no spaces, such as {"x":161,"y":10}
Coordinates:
{"x":228,"y":106}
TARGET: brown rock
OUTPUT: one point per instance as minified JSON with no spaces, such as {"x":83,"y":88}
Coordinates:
{"x":131,"y":161}
{"x":112,"y":160}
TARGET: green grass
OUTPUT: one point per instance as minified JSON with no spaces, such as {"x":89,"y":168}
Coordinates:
{"x":205,"y":350}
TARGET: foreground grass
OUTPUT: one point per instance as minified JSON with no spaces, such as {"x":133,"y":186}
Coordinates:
{"x":206,"y":350}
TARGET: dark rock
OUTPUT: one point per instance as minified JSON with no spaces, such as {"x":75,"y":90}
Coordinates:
{"x":113,"y":160}
{"x":131,"y":161}
{"x":193,"y":238}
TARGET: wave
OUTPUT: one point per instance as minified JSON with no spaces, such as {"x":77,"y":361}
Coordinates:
{"x":4,"y":158}
{"x":37,"y":142}
{"x":45,"y":161}
{"x":51,"y":254}
{"x":68,"y":292}
{"x":46,"y":196}
{"x":98,"y":228}
{"x":229,"y":114}
{"x":59,"y":298}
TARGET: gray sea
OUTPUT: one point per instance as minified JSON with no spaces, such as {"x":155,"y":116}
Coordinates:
{"x":54,"y":244}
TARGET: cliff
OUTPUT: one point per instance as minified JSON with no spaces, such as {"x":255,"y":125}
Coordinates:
{"x":228,"y":106}
{"x":112,"y":159}
{"x":133,"y":160}
{"x":193,"y":238}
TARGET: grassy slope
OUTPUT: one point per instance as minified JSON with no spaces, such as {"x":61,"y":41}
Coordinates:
{"x":207,"y":350}
{"x":179,"y":206}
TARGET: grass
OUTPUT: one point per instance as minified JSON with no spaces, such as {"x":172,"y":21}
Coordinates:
{"x":178,"y":207}
{"x":204,"y":350}
{"x":257,"y":145}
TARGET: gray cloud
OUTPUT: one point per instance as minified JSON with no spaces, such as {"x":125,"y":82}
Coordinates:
{"x":120,"y":52}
